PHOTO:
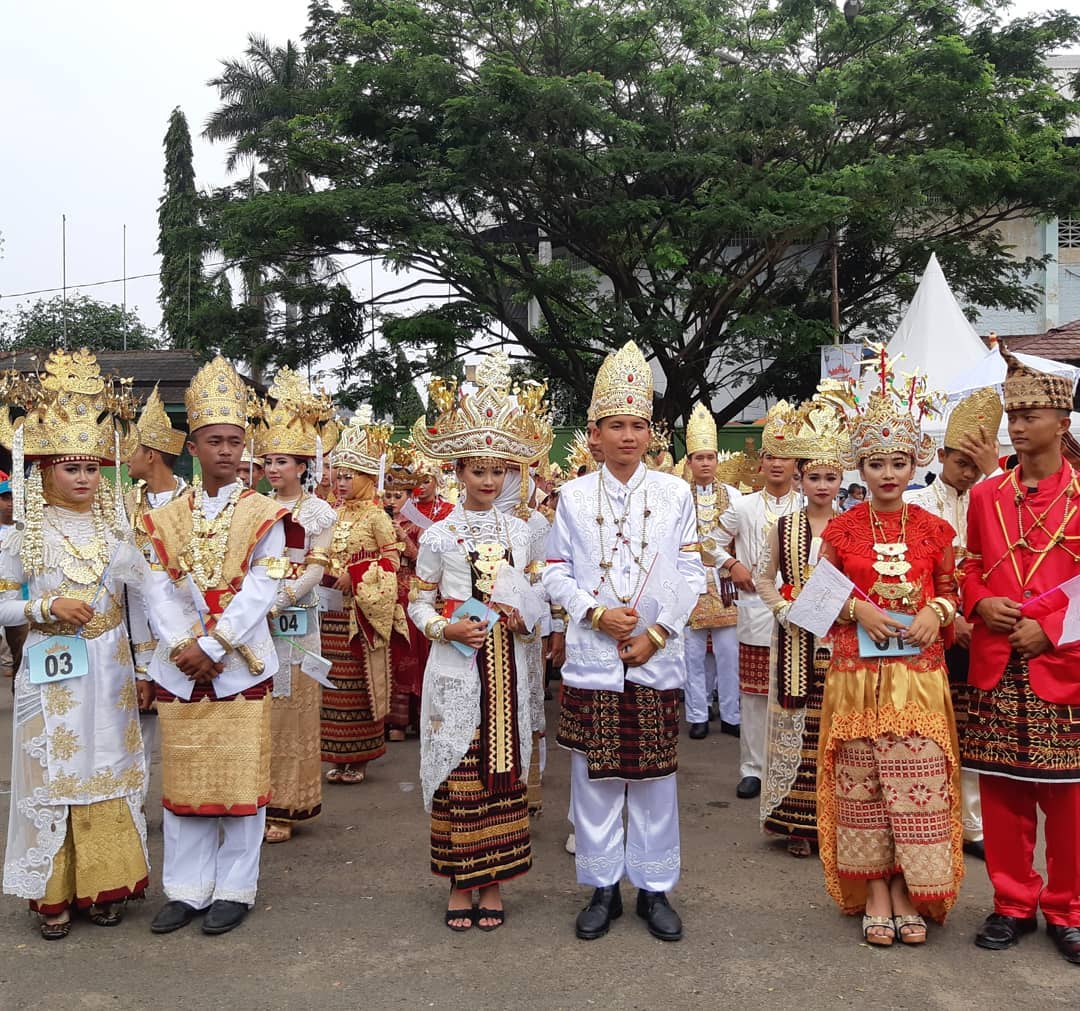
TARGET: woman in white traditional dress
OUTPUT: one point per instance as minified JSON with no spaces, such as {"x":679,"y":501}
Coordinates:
{"x":299,"y":430}
{"x":76,"y":832}
{"x":475,"y":727}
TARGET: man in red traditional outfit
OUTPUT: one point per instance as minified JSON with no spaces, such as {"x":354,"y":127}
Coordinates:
{"x":1024,"y":730}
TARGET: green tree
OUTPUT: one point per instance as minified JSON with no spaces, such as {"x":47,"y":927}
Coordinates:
{"x":182,"y":241}
{"x":675,"y":173}
{"x":99,"y":326}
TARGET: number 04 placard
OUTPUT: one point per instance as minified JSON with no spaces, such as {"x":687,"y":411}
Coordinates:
{"x":58,"y":658}
{"x":291,"y":621}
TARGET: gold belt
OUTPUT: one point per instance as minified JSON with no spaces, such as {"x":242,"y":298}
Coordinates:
{"x":99,"y":624}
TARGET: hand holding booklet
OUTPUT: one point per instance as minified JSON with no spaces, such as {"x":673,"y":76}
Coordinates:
{"x":472,"y":610}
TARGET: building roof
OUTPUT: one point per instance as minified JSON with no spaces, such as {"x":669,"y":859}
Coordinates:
{"x":173,"y":369}
{"x":1062,"y":343}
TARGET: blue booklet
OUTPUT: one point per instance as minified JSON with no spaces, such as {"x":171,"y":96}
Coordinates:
{"x":894,"y":645}
{"x":472,"y":610}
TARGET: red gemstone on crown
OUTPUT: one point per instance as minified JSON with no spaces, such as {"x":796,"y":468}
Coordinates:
{"x":488,"y":440}
{"x":490,"y":412}
{"x":629,"y":379}
{"x":629,"y":400}
{"x":885,"y":432}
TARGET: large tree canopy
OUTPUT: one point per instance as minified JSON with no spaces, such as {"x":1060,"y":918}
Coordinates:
{"x":99,"y":326}
{"x":690,"y":162}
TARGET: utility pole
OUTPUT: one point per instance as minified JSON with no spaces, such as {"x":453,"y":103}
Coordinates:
{"x":63,"y":272}
{"x":124,"y":273}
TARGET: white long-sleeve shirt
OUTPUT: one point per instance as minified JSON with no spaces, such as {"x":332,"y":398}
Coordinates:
{"x":659,"y":510}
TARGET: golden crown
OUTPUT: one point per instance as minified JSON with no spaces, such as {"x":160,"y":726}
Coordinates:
{"x":624,"y":385}
{"x":405,"y":468}
{"x":891,"y":420}
{"x":579,"y":455}
{"x":155,"y":428}
{"x":817,"y":431}
{"x":701,"y":431}
{"x":71,"y":409}
{"x":981,"y":409}
{"x":1026,"y":387}
{"x":295,"y":419}
{"x":780,"y":424}
{"x":218,"y":396}
{"x":362,"y":444}
{"x":490,"y":423}
{"x":741,"y":470}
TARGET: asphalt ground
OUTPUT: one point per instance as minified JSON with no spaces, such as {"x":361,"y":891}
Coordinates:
{"x":348,"y":916}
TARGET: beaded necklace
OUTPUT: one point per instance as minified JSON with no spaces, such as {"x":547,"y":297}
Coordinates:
{"x":208,"y":537}
{"x":607,"y":562}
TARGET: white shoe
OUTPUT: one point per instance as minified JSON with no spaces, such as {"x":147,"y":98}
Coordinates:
{"x":571,"y":844}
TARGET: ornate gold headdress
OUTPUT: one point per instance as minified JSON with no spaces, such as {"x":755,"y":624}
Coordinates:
{"x":71,"y":410}
{"x":362,"y":445}
{"x":890,"y":420}
{"x":579,"y":455}
{"x":701,"y":431}
{"x":1026,"y":387}
{"x":218,"y":396}
{"x":155,"y":428}
{"x":299,"y":422}
{"x":742,"y":470}
{"x":780,"y":424}
{"x":658,"y":455}
{"x":405,"y":468}
{"x":624,"y":385}
{"x":490,"y":423}
{"x":979,"y":409}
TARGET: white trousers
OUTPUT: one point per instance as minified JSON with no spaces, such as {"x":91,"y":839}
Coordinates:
{"x":148,"y":725}
{"x":755,"y":710}
{"x":649,"y":855}
{"x":212,"y":858}
{"x":971,"y":806}
{"x":705,"y":671}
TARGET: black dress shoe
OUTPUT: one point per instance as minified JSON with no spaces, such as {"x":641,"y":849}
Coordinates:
{"x":975,"y":848}
{"x":999,"y":932}
{"x":595,"y":919}
{"x":663,"y":921}
{"x":749,"y":786}
{"x":172,"y":916}
{"x":730,"y":728}
{"x":223,"y":915}
{"x":1067,"y":940}
{"x":698,"y":731}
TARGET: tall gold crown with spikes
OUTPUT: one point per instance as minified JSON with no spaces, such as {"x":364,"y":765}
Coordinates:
{"x":71,"y":409}
{"x":491,"y":423}
{"x":779,"y":424}
{"x":405,"y":468}
{"x":742,"y":470}
{"x":890,"y":421}
{"x":624,"y":385}
{"x":658,"y":455}
{"x":295,"y":419}
{"x":579,"y":455}
{"x":362,"y":444}
{"x":218,"y":396}
{"x":701,"y":431}
{"x":155,"y":428}
{"x":981,"y":409}
{"x":816,"y":432}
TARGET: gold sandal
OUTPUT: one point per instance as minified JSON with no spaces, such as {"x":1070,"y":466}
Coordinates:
{"x":277,"y":832}
{"x":881,"y":940}
{"x":912,"y":922}
{"x":352,"y":777}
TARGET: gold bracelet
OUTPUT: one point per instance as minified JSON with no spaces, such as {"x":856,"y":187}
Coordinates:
{"x":598,"y":612}
{"x":180,"y":647}
{"x":656,"y":637}
{"x":433,"y":630}
{"x":947,"y":608}
{"x":26,"y":610}
{"x":291,"y":595}
{"x":45,"y":606}
{"x":851,"y":611}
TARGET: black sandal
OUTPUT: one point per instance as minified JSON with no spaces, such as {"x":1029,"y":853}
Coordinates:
{"x":498,"y":915}
{"x":108,"y":915}
{"x":55,"y":931}
{"x":468,"y":915}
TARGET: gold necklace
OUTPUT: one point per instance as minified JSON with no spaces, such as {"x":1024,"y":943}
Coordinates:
{"x":486,"y":556}
{"x":206,"y":556}
{"x":85,"y":563}
{"x":891,"y":559}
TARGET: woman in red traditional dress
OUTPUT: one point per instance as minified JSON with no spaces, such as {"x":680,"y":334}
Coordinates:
{"x":889,"y":821}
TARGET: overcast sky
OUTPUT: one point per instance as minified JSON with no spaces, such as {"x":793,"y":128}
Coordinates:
{"x":87,"y":88}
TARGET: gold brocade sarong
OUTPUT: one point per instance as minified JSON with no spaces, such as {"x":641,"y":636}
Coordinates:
{"x":215,"y":756}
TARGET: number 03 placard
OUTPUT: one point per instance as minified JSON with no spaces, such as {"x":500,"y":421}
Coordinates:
{"x":58,"y":658}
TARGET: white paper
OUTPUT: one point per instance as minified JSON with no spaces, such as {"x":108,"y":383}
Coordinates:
{"x":664,"y":587}
{"x":511,"y":587}
{"x":821,"y":599}
{"x":1070,"y":626}
{"x":410,"y":512}
{"x":331,"y":599}
{"x":318,"y":669}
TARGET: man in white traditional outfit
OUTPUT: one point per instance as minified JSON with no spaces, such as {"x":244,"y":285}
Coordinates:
{"x":715,"y":616}
{"x":624,"y":653}
{"x":150,"y":467}
{"x":220,"y":557}
{"x":749,"y":521}
{"x":969,"y":453}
